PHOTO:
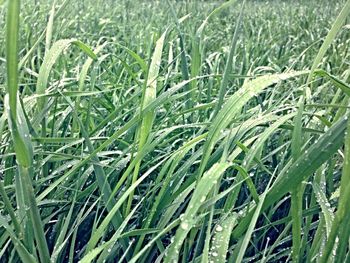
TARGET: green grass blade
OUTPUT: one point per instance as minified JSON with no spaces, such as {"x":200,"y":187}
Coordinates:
{"x":339,"y":21}
{"x":149,"y":95}
{"x":50,"y":59}
{"x":228,"y":66}
{"x":234,"y":104}
{"x":20,"y":248}
{"x":205,"y":184}
{"x":221,"y":239}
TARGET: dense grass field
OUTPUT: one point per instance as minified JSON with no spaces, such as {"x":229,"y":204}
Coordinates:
{"x":174,"y":131}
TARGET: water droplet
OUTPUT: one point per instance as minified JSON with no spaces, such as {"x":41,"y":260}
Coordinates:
{"x":184,"y":225}
{"x":219,"y":228}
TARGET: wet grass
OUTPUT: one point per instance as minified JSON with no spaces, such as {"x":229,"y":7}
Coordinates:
{"x":168,"y":131}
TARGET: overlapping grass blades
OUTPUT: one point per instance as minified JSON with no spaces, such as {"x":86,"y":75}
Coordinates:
{"x":195,"y":145}
{"x":49,"y":60}
{"x":20,"y":135}
{"x":234,"y":105}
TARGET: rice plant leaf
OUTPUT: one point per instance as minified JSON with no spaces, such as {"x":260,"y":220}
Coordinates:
{"x":42,"y":35}
{"x":91,"y":255}
{"x":20,"y":134}
{"x":243,"y":246}
{"x":12,"y":54}
{"x":20,"y":248}
{"x":138,"y":59}
{"x":334,"y":80}
{"x":325,"y":207}
{"x":49,"y":28}
{"x":213,"y":13}
{"x":50,"y":59}
{"x":234,"y":104}
{"x":339,"y":226}
{"x":228,"y":66}
{"x":221,"y":239}
{"x":307,"y":163}
{"x":151,"y":90}
{"x":205,"y":184}
{"x":149,"y":95}
{"x":100,"y":230}
{"x":338,"y":23}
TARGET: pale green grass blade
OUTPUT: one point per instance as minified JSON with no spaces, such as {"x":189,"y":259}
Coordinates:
{"x":229,"y":62}
{"x":234,"y":104}
{"x":205,"y":184}
{"x":12,"y":54}
{"x":149,"y":95}
{"x":21,"y":250}
{"x":50,"y":59}
{"x":338,"y":23}
{"x":221,"y":239}
{"x":325,"y":207}
{"x":49,"y":28}
{"x":19,"y":129}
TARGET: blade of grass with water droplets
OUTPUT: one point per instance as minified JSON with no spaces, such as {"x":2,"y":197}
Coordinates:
{"x":339,"y":226}
{"x":234,"y":104}
{"x":308,"y":162}
{"x":221,"y":239}
{"x":50,"y":59}
{"x":204,"y":186}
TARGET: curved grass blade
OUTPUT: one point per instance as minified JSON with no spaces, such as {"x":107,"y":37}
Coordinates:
{"x":339,"y":21}
{"x":50,"y":59}
{"x":205,"y":184}
{"x":233,"y":106}
{"x":308,"y":162}
{"x":337,"y":82}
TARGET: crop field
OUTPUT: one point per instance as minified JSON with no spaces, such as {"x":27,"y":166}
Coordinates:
{"x":174,"y":131}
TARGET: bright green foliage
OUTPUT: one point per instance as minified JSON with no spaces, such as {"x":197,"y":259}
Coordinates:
{"x":174,"y":131}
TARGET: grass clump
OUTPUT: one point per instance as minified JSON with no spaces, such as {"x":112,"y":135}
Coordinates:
{"x":167,"y":131}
